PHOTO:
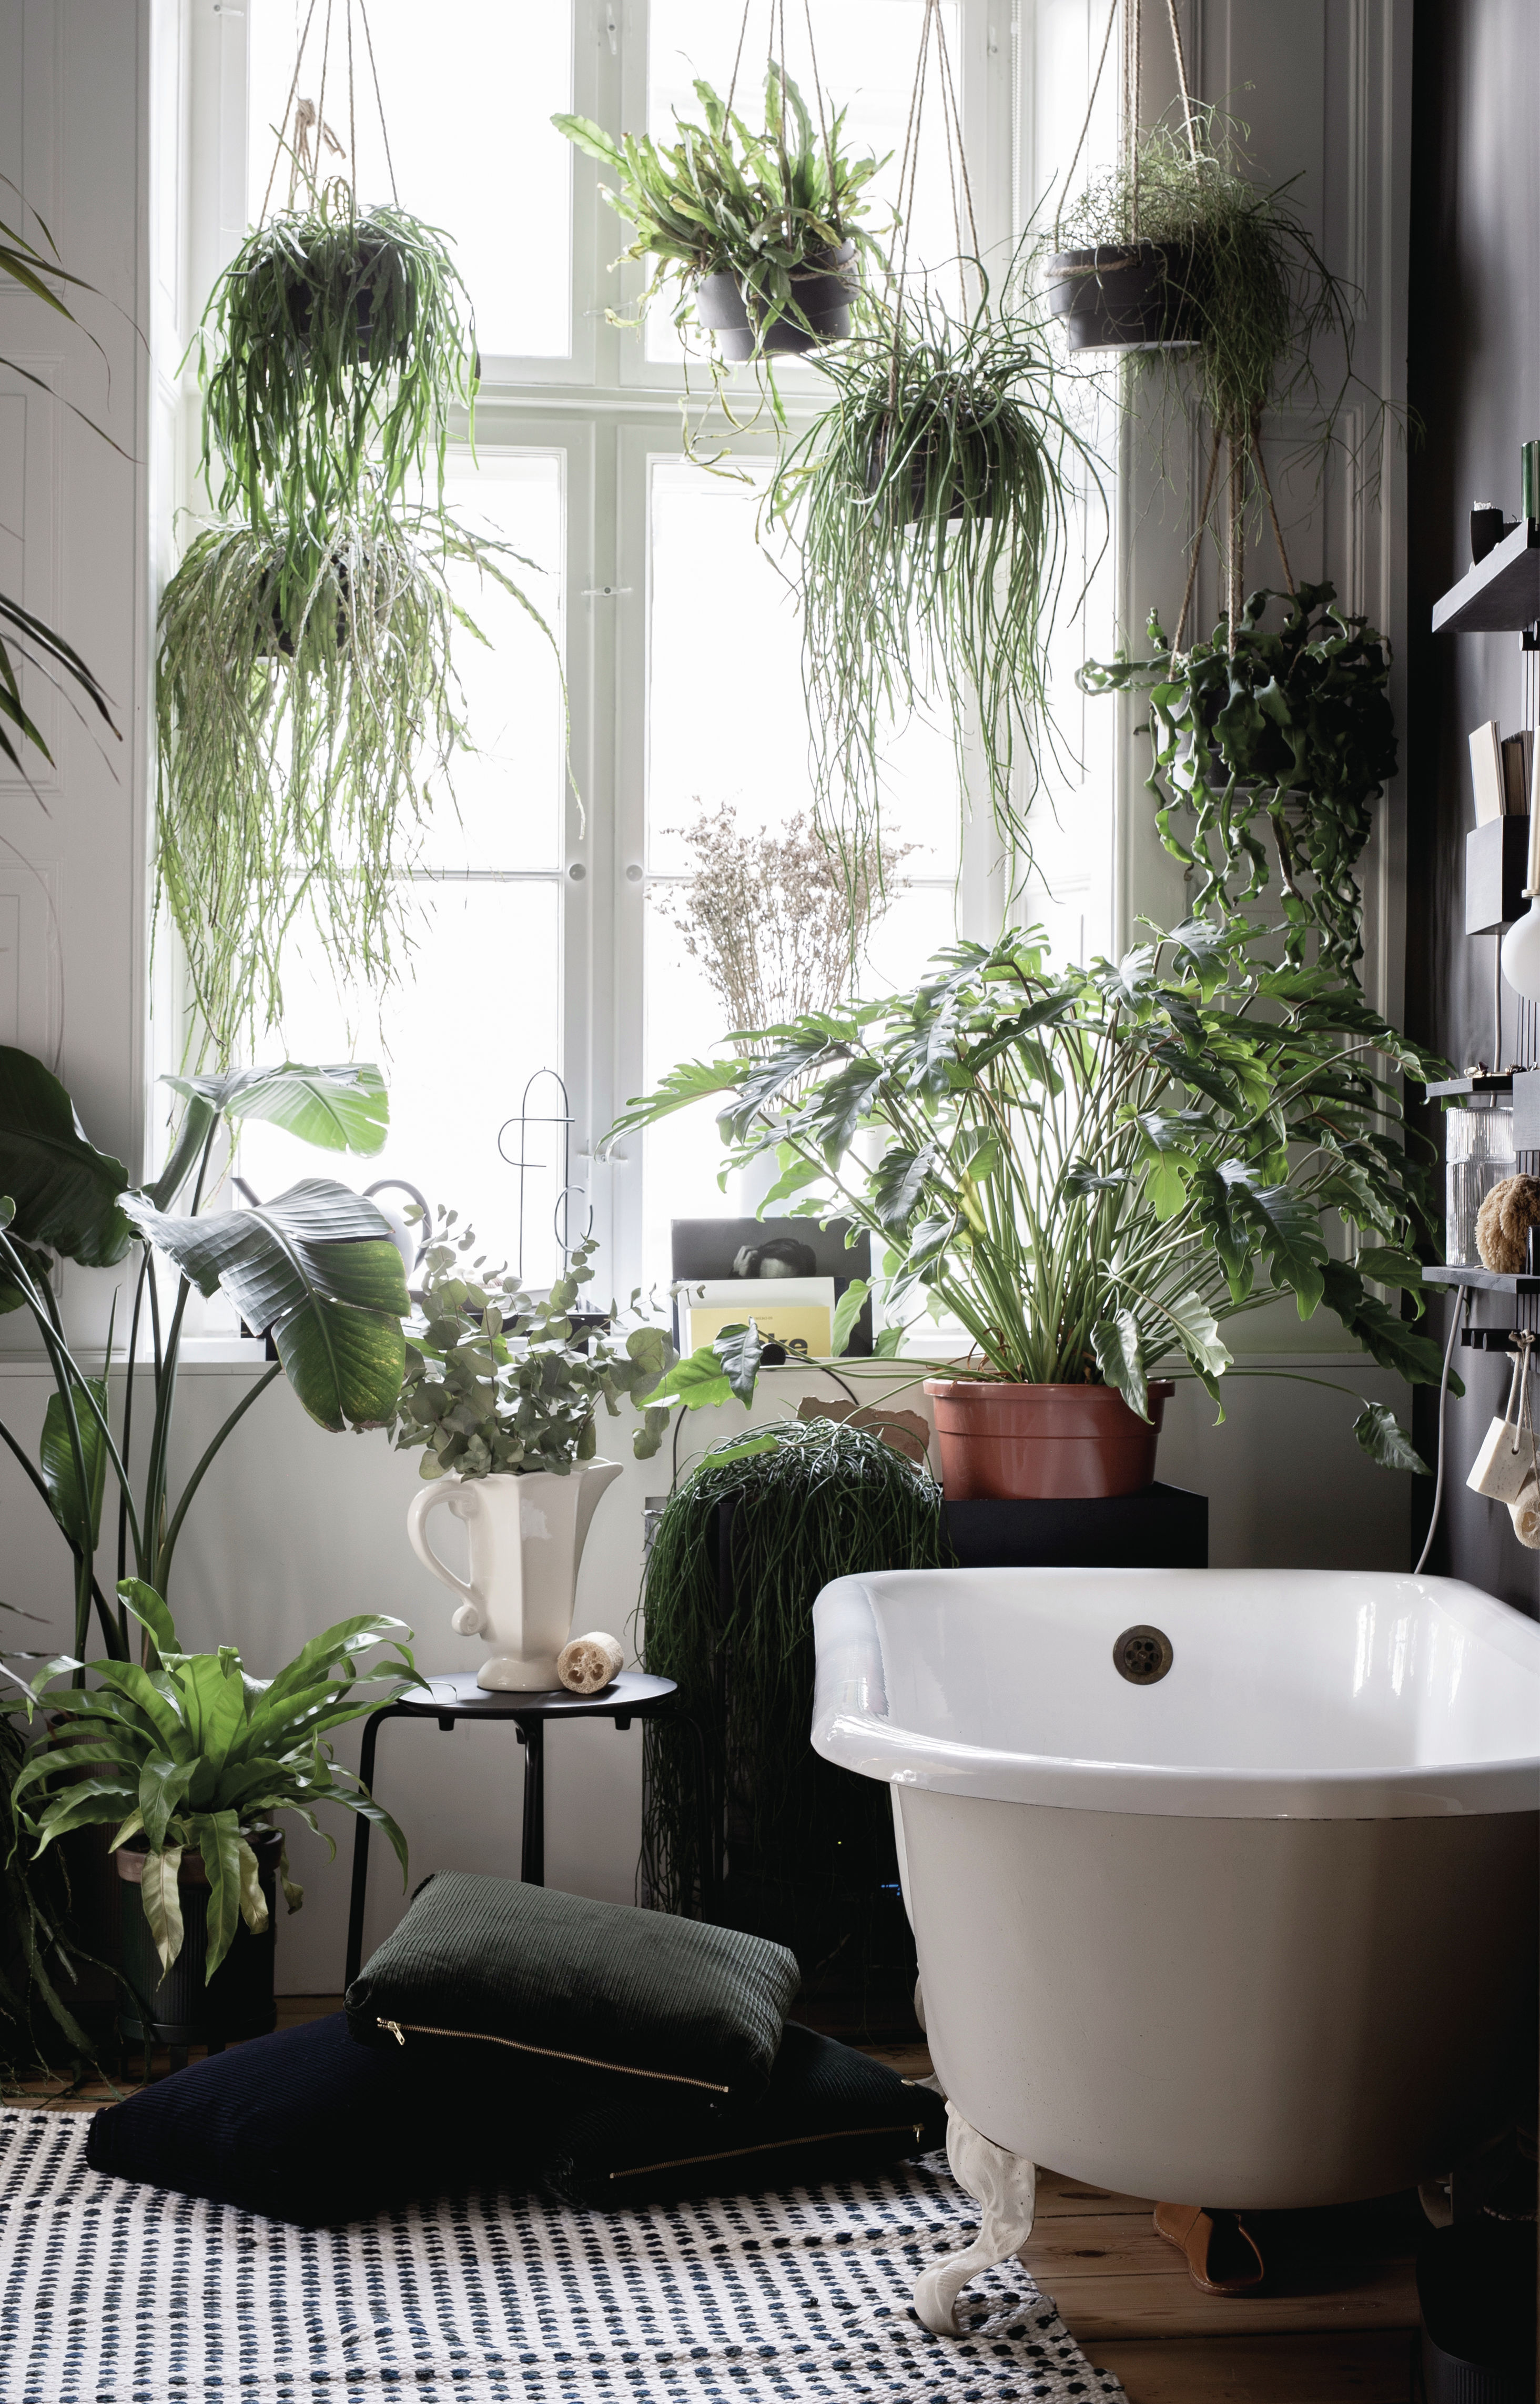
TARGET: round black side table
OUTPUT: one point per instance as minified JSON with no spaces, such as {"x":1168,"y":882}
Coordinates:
{"x":632,"y":1696}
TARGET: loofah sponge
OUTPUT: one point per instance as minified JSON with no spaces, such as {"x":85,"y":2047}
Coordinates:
{"x":1503,"y":1221}
{"x":1525,"y":1515}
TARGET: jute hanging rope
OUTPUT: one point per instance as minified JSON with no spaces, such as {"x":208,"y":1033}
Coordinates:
{"x":305,"y":120}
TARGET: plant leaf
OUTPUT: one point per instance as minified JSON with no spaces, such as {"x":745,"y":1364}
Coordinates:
{"x":1386,"y":1441}
{"x":341,"y":1105}
{"x":162,"y":1901}
{"x":846,"y":1311}
{"x":56,"y":1460}
{"x":1120,"y":1358}
{"x":65,"y":1189}
{"x":218,"y":1839}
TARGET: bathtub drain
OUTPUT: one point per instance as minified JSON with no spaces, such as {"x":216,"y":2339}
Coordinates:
{"x":1143,"y":1654}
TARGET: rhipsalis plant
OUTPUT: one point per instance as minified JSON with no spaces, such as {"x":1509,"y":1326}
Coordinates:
{"x":1261,"y":735}
{"x":1093,"y":1171}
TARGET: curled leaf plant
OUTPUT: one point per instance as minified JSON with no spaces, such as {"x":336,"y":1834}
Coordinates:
{"x":1284,"y":732}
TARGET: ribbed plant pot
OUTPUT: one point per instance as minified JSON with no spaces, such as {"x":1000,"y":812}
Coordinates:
{"x":1017,"y":1444}
{"x":238,"y":2001}
{"x":1124,"y":296}
{"x":822,"y":294}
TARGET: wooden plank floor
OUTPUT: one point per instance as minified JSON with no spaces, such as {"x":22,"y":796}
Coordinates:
{"x":1334,"y":2324}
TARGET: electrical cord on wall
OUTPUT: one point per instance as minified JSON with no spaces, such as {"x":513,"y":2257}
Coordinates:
{"x":1455,"y":1326}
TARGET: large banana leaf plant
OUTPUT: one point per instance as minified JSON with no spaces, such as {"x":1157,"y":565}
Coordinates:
{"x":1093,"y":1171}
{"x":316,"y":1271}
{"x":189,"y":1750}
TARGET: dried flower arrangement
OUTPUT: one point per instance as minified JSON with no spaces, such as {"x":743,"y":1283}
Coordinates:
{"x":772,"y":916}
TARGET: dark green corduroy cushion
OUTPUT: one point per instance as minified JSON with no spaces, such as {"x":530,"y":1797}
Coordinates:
{"x":523,"y":1971}
{"x":829,"y":2113}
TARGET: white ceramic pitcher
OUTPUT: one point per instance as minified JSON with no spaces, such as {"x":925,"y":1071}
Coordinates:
{"x":526,"y":1540}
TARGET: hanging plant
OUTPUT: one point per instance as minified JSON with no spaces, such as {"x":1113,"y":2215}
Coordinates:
{"x":1257,"y":731}
{"x":334,"y":346}
{"x":306,"y":712}
{"x":760,"y":234}
{"x":929,"y":504}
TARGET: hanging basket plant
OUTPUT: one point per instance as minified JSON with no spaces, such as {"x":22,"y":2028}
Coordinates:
{"x":1260,"y":734}
{"x":306,"y":713}
{"x":336,"y":344}
{"x":761,"y":236}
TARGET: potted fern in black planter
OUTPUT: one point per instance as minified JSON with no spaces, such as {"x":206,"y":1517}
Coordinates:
{"x":760,"y":234}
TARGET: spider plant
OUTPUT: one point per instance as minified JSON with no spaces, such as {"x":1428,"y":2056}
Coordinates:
{"x":766,"y":209}
{"x":929,"y":504}
{"x":1288,"y":731}
{"x":1093,"y":1171}
{"x":333,"y":350}
{"x":306,"y":711}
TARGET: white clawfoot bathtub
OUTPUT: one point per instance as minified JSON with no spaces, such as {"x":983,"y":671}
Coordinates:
{"x":1259,"y":1933}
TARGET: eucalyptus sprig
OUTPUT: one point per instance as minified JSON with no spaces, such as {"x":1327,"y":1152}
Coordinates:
{"x":930,"y":506}
{"x":333,"y":349}
{"x":1290,"y":731}
{"x":502,"y":1381}
{"x":765,"y":207}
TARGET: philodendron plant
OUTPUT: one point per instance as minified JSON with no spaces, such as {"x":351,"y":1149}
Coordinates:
{"x":500,"y":1382}
{"x":1288,"y":731}
{"x":1094,"y":1170}
{"x":191,"y":1751}
{"x":316,"y":1270}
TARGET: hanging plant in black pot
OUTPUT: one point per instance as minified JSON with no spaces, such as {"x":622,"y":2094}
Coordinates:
{"x":742,"y":1549}
{"x":761,"y":235}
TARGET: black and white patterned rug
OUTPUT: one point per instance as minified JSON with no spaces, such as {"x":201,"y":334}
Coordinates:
{"x":117,"y":2294}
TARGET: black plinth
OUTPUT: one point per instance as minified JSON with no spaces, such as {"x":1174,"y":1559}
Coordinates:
{"x":1162,"y":1529}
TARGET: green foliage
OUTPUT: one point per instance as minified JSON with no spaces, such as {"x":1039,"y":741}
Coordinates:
{"x":1094,"y":1170}
{"x":333,"y":350}
{"x":1289,"y":731}
{"x":808,"y":1846}
{"x":63,"y":1191}
{"x":498,"y":1381}
{"x":306,"y":712}
{"x":39,"y":2033}
{"x":928,"y":503}
{"x":191,"y":1750}
{"x":763,"y":207}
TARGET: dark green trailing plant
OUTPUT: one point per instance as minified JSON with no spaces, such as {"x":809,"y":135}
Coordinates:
{"x":1273,"y":323}
{"x":333,"y":349}
{"x":765,"y":208}
{"x":500,"y":1382}
{"x":809,"y":1848}
{"x":306,"y":712}
{"x":929,"y":504}
{"x":1288,"y":733}
{"x":40,"y":2034}
{"x":1093,"y":1169}
{"x":316,"y":1269}
{"x":191,"y":1751}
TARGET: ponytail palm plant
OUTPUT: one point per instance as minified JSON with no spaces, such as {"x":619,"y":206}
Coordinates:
{"x":1094,"y":1170}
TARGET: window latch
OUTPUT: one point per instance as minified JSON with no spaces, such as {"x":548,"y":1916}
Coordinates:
{"x":613,"y":31}
{"x":605,"y":591}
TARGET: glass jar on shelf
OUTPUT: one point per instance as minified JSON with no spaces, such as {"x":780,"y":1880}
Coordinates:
{"x":1478,"y":1154}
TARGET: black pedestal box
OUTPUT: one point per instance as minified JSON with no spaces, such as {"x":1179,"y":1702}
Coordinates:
{"x":1162,"y":1529}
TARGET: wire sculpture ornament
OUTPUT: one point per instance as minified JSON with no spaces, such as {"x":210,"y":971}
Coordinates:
{"x":561,"y":1208}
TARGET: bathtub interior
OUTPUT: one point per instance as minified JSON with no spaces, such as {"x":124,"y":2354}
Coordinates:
{"x":1287,"y":1670}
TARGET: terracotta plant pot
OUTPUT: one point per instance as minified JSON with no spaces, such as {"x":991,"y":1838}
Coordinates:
{"x":189,"y":2009}
{"x":1011,"y":1443}
{"x":1124,"y":296}
{"x":822,"y":294}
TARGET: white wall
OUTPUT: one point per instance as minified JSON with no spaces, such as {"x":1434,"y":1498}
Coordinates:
{"x":295,"y":1528}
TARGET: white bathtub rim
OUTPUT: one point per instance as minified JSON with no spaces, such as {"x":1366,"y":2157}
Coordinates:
{"x":851,"y":1728}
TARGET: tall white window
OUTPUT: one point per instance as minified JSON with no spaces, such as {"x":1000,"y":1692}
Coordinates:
{"x":541,"y":909}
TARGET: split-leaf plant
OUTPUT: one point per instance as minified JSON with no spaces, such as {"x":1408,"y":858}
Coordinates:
{"x":1286,"y":731}
{"x":189,"y":1751}
{"x":1094,"y":1170}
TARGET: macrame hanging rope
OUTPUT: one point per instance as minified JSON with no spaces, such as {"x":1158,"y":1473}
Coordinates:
{"x":932,"y":38}
{"x":304,"y":131}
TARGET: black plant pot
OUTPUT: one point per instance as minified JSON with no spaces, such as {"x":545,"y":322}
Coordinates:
{"x":971,"y":494}
{"x":1140,"y":296}
{"x":282,"y":642}
{"x":822,"y":294}
{"x":185,"y":2008}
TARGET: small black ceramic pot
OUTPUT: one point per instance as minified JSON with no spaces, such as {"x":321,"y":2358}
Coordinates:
{"x":970,"y":493}
{"x":185,"y":2008}
{"x":822,"y":294}
{"x":1137,"y":296}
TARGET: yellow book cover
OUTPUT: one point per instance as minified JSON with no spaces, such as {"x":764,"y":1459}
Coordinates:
{"x":803,"y":1327}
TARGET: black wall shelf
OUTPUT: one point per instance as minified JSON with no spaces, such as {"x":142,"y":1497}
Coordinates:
{"x":1484,"y":1281}
{"x":1499,"y":1084}
{"x":1501,"y":595}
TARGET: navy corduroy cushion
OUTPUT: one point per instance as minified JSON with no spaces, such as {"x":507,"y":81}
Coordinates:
{"x":525,"y":1983}
{"x":829,"y":2113}
{"x":307,"y":2126}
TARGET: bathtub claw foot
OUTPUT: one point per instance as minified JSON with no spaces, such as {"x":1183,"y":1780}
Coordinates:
{"x":1004,"y":2187}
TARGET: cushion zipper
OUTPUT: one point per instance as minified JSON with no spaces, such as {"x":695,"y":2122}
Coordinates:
{"x":402,"y":2030}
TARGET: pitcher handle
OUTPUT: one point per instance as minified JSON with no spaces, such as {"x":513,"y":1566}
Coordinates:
{"x":416,"y":1517}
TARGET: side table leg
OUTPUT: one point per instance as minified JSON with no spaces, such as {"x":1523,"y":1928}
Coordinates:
{"x":360,"y":1852}
{"x":532,"y":1853}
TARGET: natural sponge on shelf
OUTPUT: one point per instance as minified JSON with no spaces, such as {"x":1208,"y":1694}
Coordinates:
{"x":1503,"y":1221}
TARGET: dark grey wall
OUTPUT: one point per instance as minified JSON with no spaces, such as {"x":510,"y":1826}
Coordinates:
{"x":1475,"y":378}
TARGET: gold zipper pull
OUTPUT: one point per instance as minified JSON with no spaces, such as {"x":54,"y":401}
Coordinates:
{"x":394,"y":2028}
